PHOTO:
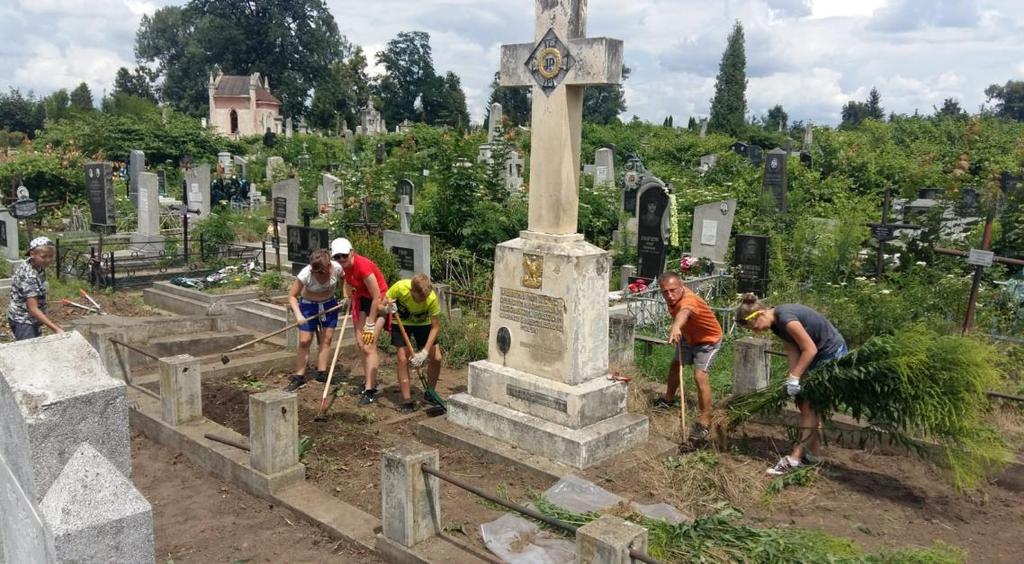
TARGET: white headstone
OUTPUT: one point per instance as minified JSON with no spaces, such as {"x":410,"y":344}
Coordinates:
{"x":289,"y":190}
{"x":274,"y":164}
{"x":371,"y":120}
{"x":514,"y":171}
{"x":225,"y":162}
{"x":9,"y":236}
{"x":197,"y":182}
{"x":330,"y":193}
{"x":411,"y":250}
{"x":288,"y":128}
{"x":147,"y":231}
{"x":136,"y":165}
{"x":707,"y":162}
{"x":604,"y":167}
{"x":242,"y":165}
{"x":712,"y":224}
{"x":703,"y":127}
{"x":494,"y":121}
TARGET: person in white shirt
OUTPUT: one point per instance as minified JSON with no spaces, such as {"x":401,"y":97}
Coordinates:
{"x":313,"y":293}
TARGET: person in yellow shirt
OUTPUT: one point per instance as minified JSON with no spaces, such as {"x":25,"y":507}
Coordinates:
{"x":420,"y":311}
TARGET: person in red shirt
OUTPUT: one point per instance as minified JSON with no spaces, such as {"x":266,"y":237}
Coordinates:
{"x":698,"y":338}
{"x":368,"y":288}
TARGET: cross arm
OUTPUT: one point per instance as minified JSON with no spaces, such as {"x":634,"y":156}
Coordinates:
{"x":959,"y":253}
{"x":596,"y":61}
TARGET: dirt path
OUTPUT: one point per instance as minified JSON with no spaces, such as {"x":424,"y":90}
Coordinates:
{"x":199,"y":518}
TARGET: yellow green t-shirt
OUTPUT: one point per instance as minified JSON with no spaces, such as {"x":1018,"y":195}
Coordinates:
{"x":411,"y":311}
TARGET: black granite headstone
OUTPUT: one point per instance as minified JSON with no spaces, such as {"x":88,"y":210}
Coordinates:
{"x":380,"y":153}
{"x":751,"y":261}
{"x":302,"y":241}
{"x":405,"y":257}
{"x":650,"y":234}
{"x":805,"y":159}
{"x":280,"y":209}
{"x":775,"y":177}
{"x":99,"y":185}
{"x":755,"y":154}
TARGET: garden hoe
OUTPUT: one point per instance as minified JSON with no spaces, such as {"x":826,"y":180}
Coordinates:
{"x":685,"y":445}
{"x":224,"y":357}
{"x":330,"y":374}
{"x":430,"y":393}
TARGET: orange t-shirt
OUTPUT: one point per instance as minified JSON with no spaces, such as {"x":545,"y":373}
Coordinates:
{"x":701,"y":327}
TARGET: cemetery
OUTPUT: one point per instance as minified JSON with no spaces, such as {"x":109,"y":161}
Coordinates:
{"x":155,"y":426}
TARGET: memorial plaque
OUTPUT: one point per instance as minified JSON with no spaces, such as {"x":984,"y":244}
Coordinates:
{"x":405,"y":257}
{"x":24,"y":208}
{"x":978,"y":257}
{"x":161,"y":180}
{"x":652,"y":211}
{"x":280,"y":209}
{"x":533,"y":312}
{"x":751,"y":261}
{"x":775,"y":177}
{"x":631,"y":184}
{"x":100,"y":188}
{"x":533,"y":396}
{"x":883,"y":233}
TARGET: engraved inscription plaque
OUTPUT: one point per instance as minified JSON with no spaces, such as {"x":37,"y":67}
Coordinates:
{"x":531,"y":396}
{"x":532,"y":311}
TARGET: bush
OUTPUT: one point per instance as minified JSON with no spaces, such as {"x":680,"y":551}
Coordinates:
{"x":372,"y":247}
{"x":271,"y":282}
{"x":465,"y":341}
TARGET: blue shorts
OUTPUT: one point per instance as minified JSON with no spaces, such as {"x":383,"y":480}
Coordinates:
{"x":821,"y":359}
{"x":327,"y":321}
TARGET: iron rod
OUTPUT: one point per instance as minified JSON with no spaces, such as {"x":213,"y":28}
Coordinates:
{"x":471,"y":296}
{"x":135,"y":349}
{"x":775,"y":353}
{"x":149,"y":393}
{"x":1005,"y":396}
{"x":227,"y":441}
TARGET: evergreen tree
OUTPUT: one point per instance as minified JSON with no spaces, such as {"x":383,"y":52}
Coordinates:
{"x":81,"y":98}
{"x":854,"y":112}
{"x":874,"y":105}
{"x":692,"y":124}
{"x":515,"y":103}
{"x":729,"y":105}
{"x":21,"y":113}
{"x":136,"y":84}
{"x":603,"y":104}
{"x":950,"y":109}
{"x":1010,"y":97}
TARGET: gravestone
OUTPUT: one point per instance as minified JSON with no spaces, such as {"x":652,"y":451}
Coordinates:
{"x":9,"y":236}
{"x":755,"y":154}
{"x":225,"y":164}
{"x":411,"y":250}
{"x":775,"y":179}
{"x":544,"y":386}
{"x":241,"y":165}
{"x":740,"y":148}
{"x":806,"y":159}
{"x":751,"y":261}
{"x":712,"y":225}
{"x":197,"y":182}
{"x":653,"y":215}
{"x":494,"y":121}
{"x":371,"y":120}
{"x":147,"y":236}
{"x":136,"y":165}
{"x":289,"y":190}
{"x":704,"y":127}
{"x":919,"y":207}
{"x":330,"y":193}
{"x":275,"y":167}
{"x":99,"y":187}
{"x":379,"y":154}
{"x":969,"y":205}
{"x":604,"y":167}
{"x":288,"y":128}
{"x":302,"y":241}
{"x":631,"y":184}
{"x":707,"y":162}
{"x":514,"y":171}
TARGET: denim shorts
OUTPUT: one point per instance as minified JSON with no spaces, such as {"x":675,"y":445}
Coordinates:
{"x":309,"y":309}
{"x":821,"y":359}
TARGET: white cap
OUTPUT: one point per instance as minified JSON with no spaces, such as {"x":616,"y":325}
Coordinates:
{"x":340,"y":246}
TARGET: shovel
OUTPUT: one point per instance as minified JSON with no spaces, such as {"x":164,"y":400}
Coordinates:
{"x":330,"y":374}
{"x":431,"y":393}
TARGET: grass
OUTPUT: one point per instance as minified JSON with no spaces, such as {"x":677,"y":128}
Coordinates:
{"x":464,"y":341}
{"x":250,"y":384}
{"x":655,"y":366}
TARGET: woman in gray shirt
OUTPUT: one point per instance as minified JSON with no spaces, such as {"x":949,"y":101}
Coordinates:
{"x":810,"y":339}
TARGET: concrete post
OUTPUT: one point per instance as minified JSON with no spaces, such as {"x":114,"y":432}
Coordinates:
{"x":628,"y":270}
{"x":749,"y":365}
{"x":181,"y":395}
{"x":620,"y":339}
{"x":608,"y":540}
{"x":274,"y":431}
{"x":410,"y":499}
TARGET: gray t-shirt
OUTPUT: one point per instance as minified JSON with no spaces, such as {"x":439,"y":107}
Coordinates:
{"x":825,"y":336}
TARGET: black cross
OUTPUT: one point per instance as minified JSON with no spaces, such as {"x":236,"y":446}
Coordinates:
{"x":885,"y":231}
{"x":364,"y":221}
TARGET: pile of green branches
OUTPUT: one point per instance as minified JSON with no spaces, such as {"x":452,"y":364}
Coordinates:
{"x":912,"y":385}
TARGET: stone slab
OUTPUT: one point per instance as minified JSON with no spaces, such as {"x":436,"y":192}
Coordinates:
{"x":402,"y":244}
{"x":96,"y":514}
{"x":410,"y":499}
{"x":573,"y":406}
{"x":68,"y":400}
{"x":197,"y":181}
{"x":9,"y":249}
{"x":289,"y":190}
{"x":579,"y":448}
{"x":712,"y":226}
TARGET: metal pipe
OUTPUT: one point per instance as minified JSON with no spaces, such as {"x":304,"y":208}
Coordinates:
{"x":774,"y":353}
{"x":135,"y":349}
{"x":229,"y":442}
{"x":471,"y":296}
{"x":149,"y":393}
{"x":557,"y":523}
{"x":1005,"y":396}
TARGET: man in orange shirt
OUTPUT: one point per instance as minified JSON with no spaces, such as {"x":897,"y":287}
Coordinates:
{"x":698,"y":337}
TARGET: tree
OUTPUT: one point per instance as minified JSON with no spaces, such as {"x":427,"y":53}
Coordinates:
{"x":21,"y":113}
{"x":408,"y":67}
{"x":692,"y":124}
{"x":854,"y":112}
{"x":515,"y":103}
{"x":291,"y":42}
{"x":729,"y":105}
{"x":81,"y":98}
{"x":123,"y":104}
{"x":57,"y":105}
{"x":874,"y":105}
{"x":448,"y":105}
{"x":136,"y":84}
{"x":950,"y":109}
{"x":1010,"y":97}
{"x":342,"y":94}
{"x":777,"y":119}
{"x":603,"y":104}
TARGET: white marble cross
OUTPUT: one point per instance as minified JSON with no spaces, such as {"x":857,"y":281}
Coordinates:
{"x":405,"y":211}
{"x":559,"y":64}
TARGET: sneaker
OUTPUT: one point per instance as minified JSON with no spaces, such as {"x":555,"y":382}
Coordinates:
{"x":298,"y":382}
{"x":809,"y":459}
{"x":699,"y":433}
{"x":408,"y":407}
{"x":358,"y":389}
{"x":785,"y":464}
{"x":321,"y":376}
{"x":662,"y":403}
{"x":367,"y":397}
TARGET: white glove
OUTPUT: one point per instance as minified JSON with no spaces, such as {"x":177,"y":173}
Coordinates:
{"x":792,"y":385}
{"x":419,"y":358}
{"x":391,"y":307}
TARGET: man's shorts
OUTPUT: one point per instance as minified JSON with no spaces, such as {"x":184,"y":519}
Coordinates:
{"x":24,"y":331}
{"x":362,"y":305}
{"x":418,"y":334}
{"x":325,"y":320}
{"x":701,"y":356}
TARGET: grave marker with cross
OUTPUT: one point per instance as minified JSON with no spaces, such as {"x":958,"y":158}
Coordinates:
{"x":885,"y":231}
{"x":559,"y":64}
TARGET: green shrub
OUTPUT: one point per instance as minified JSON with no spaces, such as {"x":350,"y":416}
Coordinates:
{"x":372,"y":247}
{"x":271,"y":282}
{"x":465,"y":341}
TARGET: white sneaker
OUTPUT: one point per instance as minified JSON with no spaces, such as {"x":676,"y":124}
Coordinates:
{"x":784,"y":465}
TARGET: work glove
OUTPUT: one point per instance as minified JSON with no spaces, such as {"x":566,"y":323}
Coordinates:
{"x":419,"y":358}
{"x":368,"y":333}
{"x":792,"y":385}
{"x":391,"y":308}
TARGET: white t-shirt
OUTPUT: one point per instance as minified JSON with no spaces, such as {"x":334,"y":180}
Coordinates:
{"x":313,"y":286}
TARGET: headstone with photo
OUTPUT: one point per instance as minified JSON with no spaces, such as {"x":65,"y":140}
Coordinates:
{"x":197,"y":183}
{"x":775,"y":179}
{"x":653,"y":214}
{"x":99,"y":187}
{"x":9,"y":236}
{"x":225,"y":164}
{"x":302,"y":241}
{"x":380,"y":153}
{"x":751,"y":261}
{"x":411,"y":250}
{"x":136,"y":165}
{"x":329,"y":193}
{"x":712,"y":225}
{"x":289,"y":190}
{"x":740,"y":148}
{"x":604,"y":167}
{"x":631,"y":180}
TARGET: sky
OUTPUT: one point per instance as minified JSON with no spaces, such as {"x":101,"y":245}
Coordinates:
{"x":811,"y":56}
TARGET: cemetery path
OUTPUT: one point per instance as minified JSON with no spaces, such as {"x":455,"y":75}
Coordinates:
{"x":199,"y":518}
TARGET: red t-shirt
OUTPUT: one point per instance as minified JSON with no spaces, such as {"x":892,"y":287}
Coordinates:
{"x":355,"y":276}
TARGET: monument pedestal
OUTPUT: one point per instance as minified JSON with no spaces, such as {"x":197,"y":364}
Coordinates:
{"x":544,"y":385}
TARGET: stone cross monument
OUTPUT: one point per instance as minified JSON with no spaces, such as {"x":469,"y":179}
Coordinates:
{"x":405,"y":211}
{"x":543,"y":386}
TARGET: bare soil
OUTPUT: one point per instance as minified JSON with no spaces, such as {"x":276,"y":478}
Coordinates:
{"x":875,"y":499}
{"x":123,"y":303}
{"x":199,"y":518}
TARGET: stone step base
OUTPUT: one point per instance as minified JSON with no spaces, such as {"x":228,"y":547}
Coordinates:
{"x":579,"y":448}
{"x":173,"y":303}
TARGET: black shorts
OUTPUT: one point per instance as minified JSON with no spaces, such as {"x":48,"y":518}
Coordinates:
{"x":418,"y":334}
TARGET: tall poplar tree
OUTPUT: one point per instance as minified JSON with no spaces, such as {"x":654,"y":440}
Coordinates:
{"x":729,"y":106}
